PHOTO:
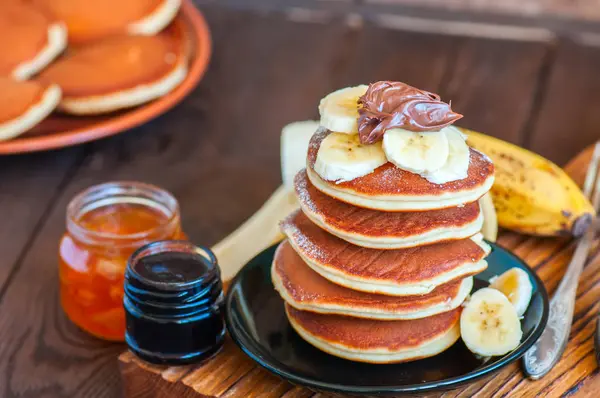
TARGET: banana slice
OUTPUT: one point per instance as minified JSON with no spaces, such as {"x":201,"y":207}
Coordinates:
{"x":342,"y":157}
{"x":516,"y":286}
{"x":489,"y":324}
{"x":339,"y":110}
{"x":420,"y":153}
{"x":457,"y":164}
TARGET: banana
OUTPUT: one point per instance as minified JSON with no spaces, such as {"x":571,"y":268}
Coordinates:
{"x":294,"y":145}
{"x":342,"y":157}
{"x":339,"y":110}
{"x":531,"y":194}
{"x":420,"y":153}
{"x":457,"y":164}
{"x":490,"y":219}
{"x":489,"y":324}
{"x":516,"y":286}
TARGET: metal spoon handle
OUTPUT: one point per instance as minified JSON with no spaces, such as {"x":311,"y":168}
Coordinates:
{"x":544,"y":354}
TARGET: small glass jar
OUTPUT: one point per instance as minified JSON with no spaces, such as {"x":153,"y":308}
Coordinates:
{"x":105,"y":225}
{"x":174,"y":303}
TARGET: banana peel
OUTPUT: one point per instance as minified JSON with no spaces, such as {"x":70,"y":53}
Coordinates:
{"x":490,"y":218}
{"x":531,"y":194}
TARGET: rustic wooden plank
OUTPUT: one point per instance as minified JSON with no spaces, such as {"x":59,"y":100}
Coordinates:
{"x":494,"y":84}
{"x":383,"y":54}
{"x":298,"y":392}
{"x":28,"y":186}
{"x":140,"y":383}
{"x":569,"y":119}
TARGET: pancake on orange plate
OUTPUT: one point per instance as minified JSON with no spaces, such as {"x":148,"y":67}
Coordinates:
{"x":92,"y":20}
{"x":24,"y":104}
{"x":29,"y":40}
{"x":374,"y":341}
{"x":306,"y":290}
{"x":401,"y":272}
{"x":385,"y":230}
{"x":117,"y":73}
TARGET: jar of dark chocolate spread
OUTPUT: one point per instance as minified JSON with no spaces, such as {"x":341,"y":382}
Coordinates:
{"x":173,"y":303}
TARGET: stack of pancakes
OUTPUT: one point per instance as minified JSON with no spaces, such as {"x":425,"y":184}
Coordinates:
{"x":375,"y":269}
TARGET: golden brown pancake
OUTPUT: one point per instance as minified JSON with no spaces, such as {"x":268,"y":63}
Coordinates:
{"x":306,"y":290}
{"x":374,"y":341}
{"x":88,"y":20}
{"x":29,"y":40}
{"x":385,"y":230}
{"x":24,"y":104}
{"x":116,"y":73}
{"x":400,"y":272}
{"x":389,"y":188}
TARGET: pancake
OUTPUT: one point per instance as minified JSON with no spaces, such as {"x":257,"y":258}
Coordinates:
{"x":306,"y":290}
{"x":29,"y":40}
{"x":389,"y":188}
{"x":24,"y":104}
{"x":372,"y":341}
{"x":385,"y":230}
{"x":93,"y":20}
{"x":400,"y":272}
{"x":117,"y":73}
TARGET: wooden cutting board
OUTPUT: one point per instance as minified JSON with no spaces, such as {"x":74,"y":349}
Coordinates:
{"x":232,"y":374}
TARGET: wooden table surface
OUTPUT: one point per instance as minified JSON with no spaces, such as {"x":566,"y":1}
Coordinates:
{"x":218,"y":152}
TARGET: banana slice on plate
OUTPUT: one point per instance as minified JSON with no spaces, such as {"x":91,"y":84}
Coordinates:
{"x":341,"y":157}
{"x":339,"y":110}
{"x":489,"y":324}
{"x":420,"y":153}
{"x":457,"y":163}
{"x":516,"y":286}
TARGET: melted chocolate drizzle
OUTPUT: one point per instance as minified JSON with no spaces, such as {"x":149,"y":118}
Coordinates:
{"x":388,"y":105}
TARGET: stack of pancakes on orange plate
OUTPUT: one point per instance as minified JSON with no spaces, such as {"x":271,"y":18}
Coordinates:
{"x":375,"y":269}
{"x":115,"y":58}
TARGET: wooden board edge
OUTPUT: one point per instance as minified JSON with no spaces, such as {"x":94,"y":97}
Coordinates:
{"x":144,"y":381}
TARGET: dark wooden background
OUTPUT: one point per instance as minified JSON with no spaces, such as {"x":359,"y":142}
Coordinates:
{"x":218,"y":152}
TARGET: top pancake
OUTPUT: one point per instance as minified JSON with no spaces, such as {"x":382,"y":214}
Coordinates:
{"x":23,"y":104}
{"x":401,"y":272}
{"x":92,"y":20}
{"x":389,"y":188}
{"x":385,"y":230}
{"x":16,"y":98}
{"x":114,"y":65}
{"x":304,"y":289}
{"x":24,"y":37}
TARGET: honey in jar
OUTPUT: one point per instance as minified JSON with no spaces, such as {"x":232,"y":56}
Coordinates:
{"x":105,"y":225}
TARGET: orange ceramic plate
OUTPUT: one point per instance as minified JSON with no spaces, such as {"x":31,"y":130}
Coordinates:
{"x":63,"y":130}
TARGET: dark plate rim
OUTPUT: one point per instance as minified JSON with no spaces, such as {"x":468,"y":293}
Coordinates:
{"x":257,"y":354}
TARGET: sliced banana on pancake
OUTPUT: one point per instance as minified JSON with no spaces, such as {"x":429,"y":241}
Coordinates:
{"x":489,"y":324}
{"x":342,"y":157}
{"x":457,"y":163}
{"x":416,"y":152}
{"x":339,"y":110}
{"x":516,"y":286}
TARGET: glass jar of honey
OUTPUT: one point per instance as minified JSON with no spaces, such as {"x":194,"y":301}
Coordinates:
{"x":105,"y":225}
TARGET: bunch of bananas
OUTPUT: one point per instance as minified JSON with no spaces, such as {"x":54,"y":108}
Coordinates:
{"x":531,"y":194}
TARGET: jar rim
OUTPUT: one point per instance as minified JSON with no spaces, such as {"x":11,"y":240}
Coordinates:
{"x":96,"y":193}
{"x":175,"y":246}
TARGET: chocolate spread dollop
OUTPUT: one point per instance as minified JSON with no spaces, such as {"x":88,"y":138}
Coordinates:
{"x":388,"y":105}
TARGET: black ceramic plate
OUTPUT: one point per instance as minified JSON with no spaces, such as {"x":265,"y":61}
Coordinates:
{"x":256,"y":321}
